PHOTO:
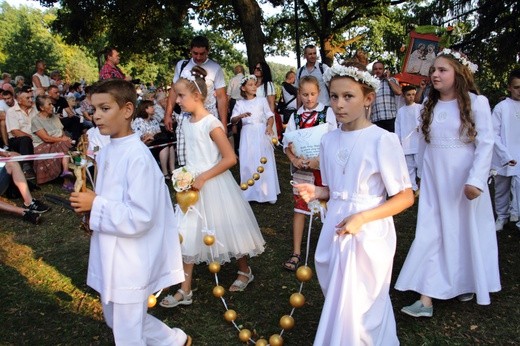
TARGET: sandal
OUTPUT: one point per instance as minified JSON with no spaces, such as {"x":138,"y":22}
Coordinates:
{"x":292,"y":263}
{"x":167,"y":177}
{"x":188,"y":341}
{"x":241,"y":285}
{"x":170,"y":302}
{"x":66,"y":174}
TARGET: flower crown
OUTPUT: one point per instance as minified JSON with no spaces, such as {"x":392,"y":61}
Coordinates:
{"x":247,"y":78}
{"x":192,"y":77}
{"x":352,"y":72}
{"x":460,"y":58}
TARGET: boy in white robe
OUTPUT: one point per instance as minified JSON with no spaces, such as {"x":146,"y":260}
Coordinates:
{"x":134,"y":249}
{"x":406,"y":128}
{"x":506,"y":123}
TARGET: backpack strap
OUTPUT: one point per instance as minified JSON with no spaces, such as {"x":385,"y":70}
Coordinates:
{"x":183,"y":65}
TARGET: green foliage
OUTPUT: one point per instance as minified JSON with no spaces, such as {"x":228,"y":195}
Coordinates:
{"x":26,"y":37}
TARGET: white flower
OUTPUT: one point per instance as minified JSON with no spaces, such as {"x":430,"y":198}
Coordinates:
{"x":182,"y":179}
{"x":352,"y":72}
{"x":246,"y":78}
{"x":314,"y":206}
{"x":460,"y":58}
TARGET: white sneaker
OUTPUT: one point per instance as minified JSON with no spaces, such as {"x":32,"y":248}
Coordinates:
{"x":513,"y":218}
{"x":499,"y":224}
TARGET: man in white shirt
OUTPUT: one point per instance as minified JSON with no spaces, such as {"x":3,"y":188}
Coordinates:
{"x":40,"y":80}
{"x":18,"y":123}
{"x":313,"y":68}
{"x":216,"y":101}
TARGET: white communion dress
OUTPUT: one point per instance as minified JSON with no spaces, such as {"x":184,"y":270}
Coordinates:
{"x":360,"y":168}
{"x":455,"y":247}
{"x":255,"y":144}
{"x":221,"y":209}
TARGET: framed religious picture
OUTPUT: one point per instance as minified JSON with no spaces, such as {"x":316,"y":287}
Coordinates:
{"x":421,"y":53}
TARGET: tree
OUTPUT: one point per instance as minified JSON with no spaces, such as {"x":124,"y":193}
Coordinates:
{"x":25,"y":38}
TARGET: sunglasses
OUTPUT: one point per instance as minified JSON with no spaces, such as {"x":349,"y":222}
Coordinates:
{"x":258,"y":68}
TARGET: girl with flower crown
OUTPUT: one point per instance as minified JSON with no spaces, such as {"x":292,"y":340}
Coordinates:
{"x":209,"y":156}
{"x":454,"y":253}
{"x":255,"y":142}
{"x":361,"y":165}
{"x":312,"y":113}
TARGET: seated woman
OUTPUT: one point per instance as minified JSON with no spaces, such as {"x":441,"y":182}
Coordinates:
{"x":148,"y":128}
{"x":48,"y":137}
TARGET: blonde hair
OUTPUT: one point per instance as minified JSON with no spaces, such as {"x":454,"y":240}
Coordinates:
{"x":463,"y":85}
{"x":309,"y":80}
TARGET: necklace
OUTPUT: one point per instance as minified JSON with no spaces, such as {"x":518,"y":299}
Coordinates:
{"x":343,"y":155}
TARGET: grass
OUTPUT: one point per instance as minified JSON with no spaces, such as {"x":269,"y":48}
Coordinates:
{"x":45,"y":300}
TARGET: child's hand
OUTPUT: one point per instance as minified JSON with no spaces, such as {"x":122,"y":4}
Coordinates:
{"x":299,"y":162}
{"x":269,"y":131}
{"x":245,"y":115}
{"x":350,"y":225}
{"x":512,"y":163}
{"x":313,"y":163}
{"x":82,"y":201}
{"x":306,"y":191}
{"x":471,"y":192}
{"x":199,"y":182}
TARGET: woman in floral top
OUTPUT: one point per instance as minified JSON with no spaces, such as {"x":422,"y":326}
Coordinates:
{"x":148,"y":128}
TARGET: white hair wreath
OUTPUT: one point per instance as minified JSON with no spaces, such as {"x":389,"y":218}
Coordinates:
{"x":248,"y":77}
{"x":463,"y":59}
{"x":352,"y":72}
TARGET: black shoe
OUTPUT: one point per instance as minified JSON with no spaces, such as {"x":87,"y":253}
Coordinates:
{"x":31,"y":216}
{"x":29,"y":174}
{"x":38,"y":207}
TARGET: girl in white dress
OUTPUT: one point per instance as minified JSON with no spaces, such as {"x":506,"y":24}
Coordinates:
{"x":454,"y":253}
{"x":361,"y":165}
{"x":223,"y":210}
{"x":255,"y":142}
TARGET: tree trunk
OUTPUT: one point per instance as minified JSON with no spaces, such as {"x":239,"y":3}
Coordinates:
{"x":250,"y":18}
{"x":326,"y":51}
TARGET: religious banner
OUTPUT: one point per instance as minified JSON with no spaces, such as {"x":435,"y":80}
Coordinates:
{"x":420,"y":54}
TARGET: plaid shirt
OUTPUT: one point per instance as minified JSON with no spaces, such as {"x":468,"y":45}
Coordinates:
{"x":108,"y":71}
{"x":181,"y":141}
{"x":384,"y":107}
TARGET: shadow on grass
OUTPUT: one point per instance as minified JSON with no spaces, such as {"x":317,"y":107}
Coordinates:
{"x":31,"y":316}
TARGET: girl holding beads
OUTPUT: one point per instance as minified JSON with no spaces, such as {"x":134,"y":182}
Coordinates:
{"x":209,"y":156}
{"x":255,"y":142}
{"x":361,"y":164}
{"x":454,"y":253}
{"x":311,"y":114}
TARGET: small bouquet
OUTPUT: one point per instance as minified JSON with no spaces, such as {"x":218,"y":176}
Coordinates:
{"x":182,"y":180}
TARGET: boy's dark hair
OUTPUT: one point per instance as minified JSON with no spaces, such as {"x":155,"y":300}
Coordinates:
{"x":141,"y":109}
{"x":200,"y":41}
{"x":512,"y":75}
{"x":408,"y":87}
{"x":121,"y":90}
